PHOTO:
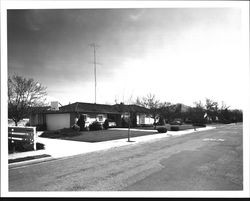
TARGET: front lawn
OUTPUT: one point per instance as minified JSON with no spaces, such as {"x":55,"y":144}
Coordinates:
{"x":105,"y":135}
{"x":99,"y":136}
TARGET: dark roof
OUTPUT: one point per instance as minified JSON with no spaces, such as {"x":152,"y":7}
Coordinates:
{"x":89,"y":107}
{"x":184,"y":108}
{"x":39,"y":109}
{"x":131,"y":108}
{"x":92,"y":108}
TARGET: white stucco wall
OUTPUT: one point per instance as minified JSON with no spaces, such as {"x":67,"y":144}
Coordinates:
{"x":143,"y":119}
{"x":57,"y":121}
{"x":91,"y":118}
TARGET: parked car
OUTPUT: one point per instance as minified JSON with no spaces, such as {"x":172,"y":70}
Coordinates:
{"x":109,"y":123}
{"x":176,"y":122}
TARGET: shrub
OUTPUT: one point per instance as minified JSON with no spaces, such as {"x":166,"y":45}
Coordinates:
{"x":174,"y":128}
{"x":95,"y":126}
{"x":161,"y":121}
{"x":226,"y":122}
{"x":199,"y":124}
{"x":76,"y":127}
{"x":81,"y":123}
{"x":106,"y":123}
{"x":188,"y":121}
{"x":124,"y":123}
{"x":23,"y":146}
{"x":39,"y":146}
{"x":41,"y":127}
{"x":162,"y":129}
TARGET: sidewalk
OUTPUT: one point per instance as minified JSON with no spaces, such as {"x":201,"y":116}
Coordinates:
{"x":56,"y":148}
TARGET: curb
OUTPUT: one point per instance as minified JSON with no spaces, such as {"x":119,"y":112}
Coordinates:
{"x":28,"y":162}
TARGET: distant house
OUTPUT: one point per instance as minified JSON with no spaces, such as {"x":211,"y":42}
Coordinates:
{"x":140,"y":116}
{"x":65,"y":116}
{"x":36,"y":117}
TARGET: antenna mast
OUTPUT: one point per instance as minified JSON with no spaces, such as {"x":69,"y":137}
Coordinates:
{"x":94,"y":47}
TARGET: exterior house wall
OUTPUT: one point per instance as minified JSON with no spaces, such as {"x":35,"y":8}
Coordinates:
{"x":143,"y":119}
{"x":37,"y":119}
{"x":57,"y":121}
{"x":90,"y":118}
{"x":73,"y":116}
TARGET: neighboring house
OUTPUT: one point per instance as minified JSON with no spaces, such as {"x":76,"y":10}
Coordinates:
{"x":140,"y":116}
{"x":65,"y":116}
{"x":36,"y":116}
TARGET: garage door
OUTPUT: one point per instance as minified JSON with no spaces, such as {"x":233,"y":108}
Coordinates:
{"x":57,"y":121}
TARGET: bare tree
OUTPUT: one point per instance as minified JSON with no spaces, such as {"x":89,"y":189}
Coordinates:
{"x":22,"y":95}
{"x":151,"y":103}
{"x":211,"y":109}
{"x":196,"y":113}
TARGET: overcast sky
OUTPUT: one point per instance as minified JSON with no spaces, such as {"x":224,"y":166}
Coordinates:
{"x":179,"y":54}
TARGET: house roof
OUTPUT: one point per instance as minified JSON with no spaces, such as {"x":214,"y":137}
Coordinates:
{"x":39,"y":109}
{"x":131,"y":108}
{"x":92,"y":108}
{"x":89,"y":108}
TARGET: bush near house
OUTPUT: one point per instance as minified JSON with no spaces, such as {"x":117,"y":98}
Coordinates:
{"x":41,"y":127}
{"x":199,"y":124}
{"x":174,"y":128}
{"x":22,"y":147}
{"x":106,"y":124}
{"x":81,"y":123}
{"x":95,"y":126}
{"x":162,"y":129}
{"x":76,"y":127}
{"x":124,"y":123}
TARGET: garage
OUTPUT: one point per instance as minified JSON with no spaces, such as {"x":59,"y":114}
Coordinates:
{"x":57,"y":121}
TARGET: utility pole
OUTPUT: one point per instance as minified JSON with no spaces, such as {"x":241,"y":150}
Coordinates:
{"x":94,"y":47}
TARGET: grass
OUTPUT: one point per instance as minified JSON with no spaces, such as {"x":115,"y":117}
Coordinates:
{"x":104,"y":135}
{"x":101,"y":135}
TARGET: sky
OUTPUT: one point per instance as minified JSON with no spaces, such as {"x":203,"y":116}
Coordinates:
{"x":181,"y":55}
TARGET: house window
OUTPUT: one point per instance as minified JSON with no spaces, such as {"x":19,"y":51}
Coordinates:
{"x":85,"y":117}
{"x":100,"y":118}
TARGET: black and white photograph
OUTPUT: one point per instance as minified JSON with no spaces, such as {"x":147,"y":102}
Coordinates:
{"x":125,"y":98}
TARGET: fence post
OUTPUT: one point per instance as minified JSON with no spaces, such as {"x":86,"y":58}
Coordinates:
{"x":12,"y":142}
{"x":35,"y":135}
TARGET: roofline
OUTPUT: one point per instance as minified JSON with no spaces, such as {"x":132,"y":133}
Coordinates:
{"x":63,"y":112}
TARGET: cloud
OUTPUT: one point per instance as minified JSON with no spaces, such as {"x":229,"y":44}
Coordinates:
{"x":33,"y":20}
{"x":136,"y":16}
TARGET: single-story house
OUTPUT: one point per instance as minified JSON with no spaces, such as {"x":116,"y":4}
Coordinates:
{"x":65,"y":116}
{"x":140,"y":116}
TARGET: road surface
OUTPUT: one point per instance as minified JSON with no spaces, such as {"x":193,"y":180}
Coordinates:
{"x":206,"y":160}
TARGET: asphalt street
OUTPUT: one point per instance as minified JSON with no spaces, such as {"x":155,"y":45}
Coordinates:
{"x":204,"y":160}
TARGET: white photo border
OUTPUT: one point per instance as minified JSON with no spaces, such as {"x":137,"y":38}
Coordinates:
{"x":5,"y":5}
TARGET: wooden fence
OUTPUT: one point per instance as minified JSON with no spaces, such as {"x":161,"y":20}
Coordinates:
{"x":23,"y":134}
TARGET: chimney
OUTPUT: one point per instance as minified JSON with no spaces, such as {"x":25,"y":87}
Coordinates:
{"x":54,"y":105}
